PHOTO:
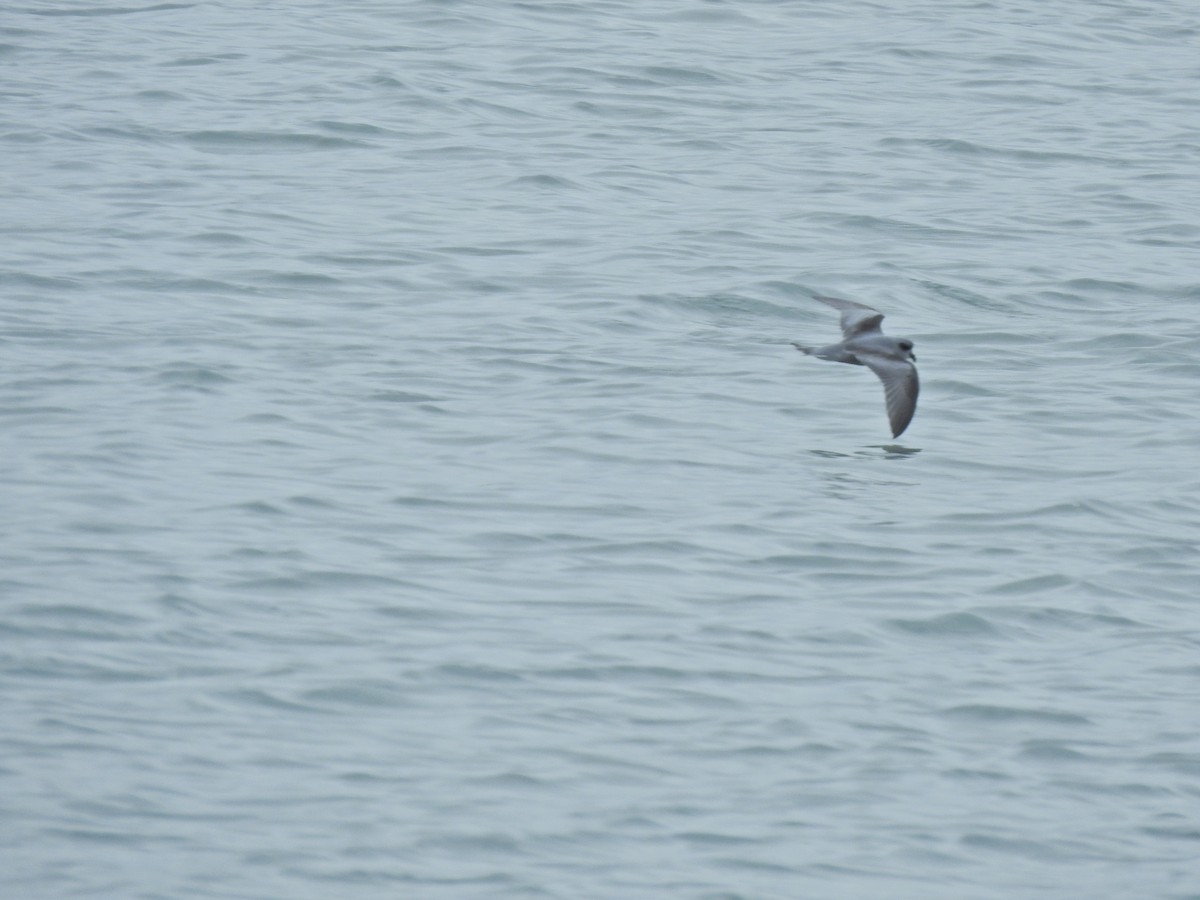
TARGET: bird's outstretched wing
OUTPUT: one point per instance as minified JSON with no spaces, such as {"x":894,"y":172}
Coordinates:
{"x":900,"y":388}
{"x":857,"y":319}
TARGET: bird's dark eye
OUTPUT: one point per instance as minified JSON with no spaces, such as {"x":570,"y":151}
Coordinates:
{"x":906,"y":345}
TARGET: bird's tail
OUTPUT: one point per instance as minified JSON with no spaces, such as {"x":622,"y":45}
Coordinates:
{"x":802,"y":348}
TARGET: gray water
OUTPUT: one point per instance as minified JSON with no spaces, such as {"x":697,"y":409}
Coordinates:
{"x":409,"y":489}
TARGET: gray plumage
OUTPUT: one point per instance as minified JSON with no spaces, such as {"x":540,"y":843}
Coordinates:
{"x":865,"y":344}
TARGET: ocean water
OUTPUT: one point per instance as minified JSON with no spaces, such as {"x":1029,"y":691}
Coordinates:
{"x":409,"y":489}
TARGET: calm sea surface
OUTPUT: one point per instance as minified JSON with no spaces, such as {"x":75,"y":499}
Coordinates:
{"x":409,"y":490}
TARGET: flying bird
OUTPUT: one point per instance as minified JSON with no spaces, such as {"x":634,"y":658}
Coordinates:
{"x":865,"y":344}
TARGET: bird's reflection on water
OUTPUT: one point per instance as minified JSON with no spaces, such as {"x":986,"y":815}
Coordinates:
{"x":890,"y":451}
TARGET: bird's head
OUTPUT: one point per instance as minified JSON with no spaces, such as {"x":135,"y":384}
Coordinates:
{"x":906,"y":347}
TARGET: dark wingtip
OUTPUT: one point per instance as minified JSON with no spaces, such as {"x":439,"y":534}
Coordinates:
{"x":896,"y":432}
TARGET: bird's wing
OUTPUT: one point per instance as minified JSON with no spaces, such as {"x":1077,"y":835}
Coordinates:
{"x":900,"y":388}
{"x":857,"y":319}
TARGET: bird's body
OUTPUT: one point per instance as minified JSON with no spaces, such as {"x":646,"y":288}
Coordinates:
{"x":865,"y":344}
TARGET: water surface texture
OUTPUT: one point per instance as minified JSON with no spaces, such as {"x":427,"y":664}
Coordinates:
{"x":409,"y":489}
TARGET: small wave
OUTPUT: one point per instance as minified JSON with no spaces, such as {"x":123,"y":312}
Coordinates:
{"x":267,"y":142}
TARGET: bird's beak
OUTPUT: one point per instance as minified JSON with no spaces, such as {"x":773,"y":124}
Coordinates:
{"x":912,"y":356}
